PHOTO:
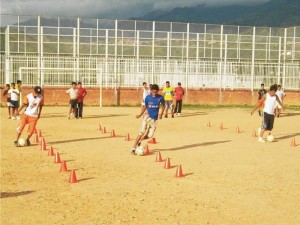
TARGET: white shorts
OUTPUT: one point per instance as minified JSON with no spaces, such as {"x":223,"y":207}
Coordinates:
{"x":277,"y":105}
{"x":148,"y":126}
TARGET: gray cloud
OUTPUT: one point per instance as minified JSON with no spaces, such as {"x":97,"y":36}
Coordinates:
{"x":110,"y":9}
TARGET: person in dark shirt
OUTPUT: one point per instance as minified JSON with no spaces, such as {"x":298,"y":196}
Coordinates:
{"x":261,"y":92}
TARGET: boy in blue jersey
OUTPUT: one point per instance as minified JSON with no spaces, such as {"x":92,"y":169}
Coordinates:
{"x":152,"y":105}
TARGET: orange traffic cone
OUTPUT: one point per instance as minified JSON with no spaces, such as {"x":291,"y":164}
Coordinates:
{"x":208,"y":124}
{"x":254,"y":133}
{"x":104,"y":130}
{"x":99,"y":127}
{"x":35,"y":131}
{"x":158,"y":157}
{"x":147,"y":151}
{"x":36,"y":139}
{"x":238,"y":130}
{"x":43,"y":144}
{"x":179,"y":172}
{"x":57,"y":158}
{"x":167,"y":164}
{"x":40,"y":133}
{"x":127,"y":137}
{"x":63,"y":167}
{"x":152,"y":141}
{"x":73,"y":178}
{"x":51,"y":151}
{"x":113,"y":134}
{"x":221,"y":126}
{"x":293,"y":143}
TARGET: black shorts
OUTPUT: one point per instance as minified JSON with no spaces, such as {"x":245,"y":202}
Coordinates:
{"x":73,"y":103}
{"x":15,"y":104}
{"x":268,"y":121}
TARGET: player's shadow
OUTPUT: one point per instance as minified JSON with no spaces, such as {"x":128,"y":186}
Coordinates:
{"x":14,"y":194}
{"x":194,"y":145}
{"x":192,"y":114}
{"x":289,"y":114}
{"x":287,"y":136}
{"x":103,"y":116}
{"x":76,"y":140}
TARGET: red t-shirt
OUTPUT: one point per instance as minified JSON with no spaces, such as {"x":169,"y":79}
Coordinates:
{"x":81,"y":94}
{"x":179,"y":92}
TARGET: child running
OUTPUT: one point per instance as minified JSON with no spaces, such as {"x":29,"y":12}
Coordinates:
{"x":152,"y":105}
{"x":280,"y":94}
{"x":33,"y":103}
{"x":269,"y":99}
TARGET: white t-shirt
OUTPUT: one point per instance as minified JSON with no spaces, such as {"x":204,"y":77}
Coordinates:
{"x":146,"y":92}
{"x":33,"y":105}
{"x":270,"y":104}
{"x":280,"y":94}
{"x":73,"y":93}
{"x":14,"y":96}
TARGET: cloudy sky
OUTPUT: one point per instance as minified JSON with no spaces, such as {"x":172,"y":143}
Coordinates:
{"x":110,"y":9}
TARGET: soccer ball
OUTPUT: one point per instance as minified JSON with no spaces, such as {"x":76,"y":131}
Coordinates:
{"x":140,"y":150}
{"x":22,"y":142}
{"x":270,"y":138}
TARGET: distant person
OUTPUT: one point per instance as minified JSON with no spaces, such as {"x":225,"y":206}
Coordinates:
{"x":81,"y":95}
{"x":33,"y":103}
{"x":168,"y":93}
{"x":19,"y":87}
{"x":281,"y":95}
{"x":261,"y":93}
{"x":14,"y":100}
{"x":152,"y":105}
{"x":178,"y":93}
{"x":73,"y":93}
{"x":8,"y":104}
{"x":146,"y":92}
{"x":269,"y":99}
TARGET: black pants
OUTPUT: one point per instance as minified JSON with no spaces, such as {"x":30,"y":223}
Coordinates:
{"x":79,"y":109}
{"x":178,"y":106}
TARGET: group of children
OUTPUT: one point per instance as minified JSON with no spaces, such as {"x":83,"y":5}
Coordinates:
{"x":13,"y":96}
{"x":76,"y":94}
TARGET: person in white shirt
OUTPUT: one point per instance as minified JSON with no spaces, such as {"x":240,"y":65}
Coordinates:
{"x":280,"y":94}
{"x":146,"y":92}
{"x":14,"y":100}
{"x":33,"y":103}
{"x":269,"y":99}
{"x":73,"y":93}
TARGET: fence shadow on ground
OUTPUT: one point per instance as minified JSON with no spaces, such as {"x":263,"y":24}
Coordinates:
{"x":14,"y":194}
{"x":289,"y":114}
{"x":287,"y":136}
{"x":76,"y":140}
{"x":192,"y":114}
{"x":193,"y":146}
{"x":61,"y":115}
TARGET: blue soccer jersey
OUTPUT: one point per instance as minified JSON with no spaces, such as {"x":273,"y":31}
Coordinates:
{"x":152,"y":105}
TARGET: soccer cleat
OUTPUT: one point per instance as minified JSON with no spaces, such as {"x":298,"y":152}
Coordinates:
{"x":18,"y":117}
{"x":16,"y":144}
{"x":132,"y":152}
{"x":166,"y":116}
{"x":260,"y":139}
{"x":172,"y":115}
{"x":179,"y":114}
{"x":9,"y":117}
{"x":28,"y":143}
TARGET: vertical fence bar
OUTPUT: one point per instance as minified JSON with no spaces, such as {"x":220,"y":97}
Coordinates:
{"x":220,"y":65}
{"x":253,"y":62}
{"x":279,"y":61}
{"x":153,"y":50}
{"x":284,"y":58}
{"x":7,"y":54}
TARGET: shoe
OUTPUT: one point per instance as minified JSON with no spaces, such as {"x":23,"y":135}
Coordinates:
{"x":28,"y":143}
{"x":18,"y":118}
{"x":79,"y":117}
{"x":259,"y":113}
{"x":9,"y":117}
{"x":16,"y":143}
{"x":132,"y":152}
{"x":13,"y":118}
{"x":166,"y":116}
{"x":172,"y":115}
{"x":139,"y":144}
{"x":260,"y":139}
{"x":179,"y":114}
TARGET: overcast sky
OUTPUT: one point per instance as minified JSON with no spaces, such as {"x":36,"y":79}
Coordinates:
{"x":110,"y":9}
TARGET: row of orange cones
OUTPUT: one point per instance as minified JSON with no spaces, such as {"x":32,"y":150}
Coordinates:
{"x":167,"y":165}
{"x":293,"y":143}
{"x":63,"y":168}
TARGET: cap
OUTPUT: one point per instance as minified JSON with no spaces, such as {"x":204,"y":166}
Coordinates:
{"x":38,"y":90}
{"x":179,"y":83}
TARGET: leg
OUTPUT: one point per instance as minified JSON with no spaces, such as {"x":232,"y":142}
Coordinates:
{"x":180,"y":106}
{"x":80,"y":107}
{"x":176,"y":107}
{"x":166,"y":110}
{"x":9,"y":112}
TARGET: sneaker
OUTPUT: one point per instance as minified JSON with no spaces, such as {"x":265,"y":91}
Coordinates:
{"x":172,"y":115}
{"x":13,"y":118}
{"x":179,"y":114}
{"x":166,"y":116}
{"x":16,"y":143}
{"x":28,"y":143}
{"x":132,"y":152}
{"x":9,"y":117}
{"x":18,"y":117}
{"x":79,"y":117}
{"x":260,"y":139}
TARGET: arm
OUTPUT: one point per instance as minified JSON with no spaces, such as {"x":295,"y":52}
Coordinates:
{"x":21,"y":107}
{"x":142,"y":112}
{"x":259,"y":103}
{"x":279,"y":102}
{"x":40,"y":110}
{"x":162,"y":109}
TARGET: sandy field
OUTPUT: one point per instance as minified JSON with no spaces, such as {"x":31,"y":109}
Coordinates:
{"x":229,"y":178}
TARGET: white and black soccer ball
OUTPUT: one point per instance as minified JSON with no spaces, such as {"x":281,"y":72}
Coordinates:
{"x":140,"y":151}
{"x":270,"y":138}
{"x":22,"y":142}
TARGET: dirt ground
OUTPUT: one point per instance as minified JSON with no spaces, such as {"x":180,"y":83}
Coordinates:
{"x":230,"y":178}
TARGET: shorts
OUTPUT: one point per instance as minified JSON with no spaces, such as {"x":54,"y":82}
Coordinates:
{"x":277,"y":105}
{"x":14,"y":104}
{"x":30,"y":120}
{"x":73,"y":103}
{"x":268,"y":121}
{"x":148,"y":126}
{"x":169,"y":104}
{"x":8,"y":104}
